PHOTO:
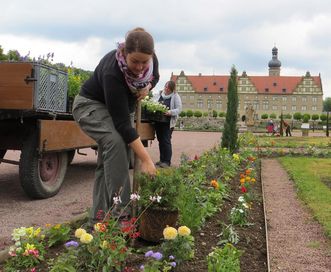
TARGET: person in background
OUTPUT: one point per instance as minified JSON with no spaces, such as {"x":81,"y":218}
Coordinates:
{"x":104,"y":110}
{"x":164,"y":130}
{"x":270,"y":127}
{"x":287,"y":129}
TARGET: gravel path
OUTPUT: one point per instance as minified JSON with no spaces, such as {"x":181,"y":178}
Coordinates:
{"x":296,"y":241}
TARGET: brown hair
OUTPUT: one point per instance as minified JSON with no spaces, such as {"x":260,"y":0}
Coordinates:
{"x":139,"y":40}
{"x":171,"y":85}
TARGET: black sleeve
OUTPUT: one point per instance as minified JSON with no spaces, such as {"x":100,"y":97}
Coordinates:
{"x":117,"y":101}
{"x":156,"y":74}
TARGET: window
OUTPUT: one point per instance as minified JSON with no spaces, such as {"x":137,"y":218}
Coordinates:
{"x":294,"y":99}
{"x":221,"y":89}
{"x":294,"y":108}
{"x":218,"y":104}
{"x":284,"y":98}
{"x":275,"y":84}
{"x":266,"y":90}
{"x":274,"y":98}
{"x":284,"y":90}
{"x":304,"y":99}
{"x":274,"y":107}
{"x":314,"y":99}
{"x":205,"y":89}
{"x":199,"y":104}
{"x":284,"y":108}
{"x":314,"y":108}
{"x":304,"y":108}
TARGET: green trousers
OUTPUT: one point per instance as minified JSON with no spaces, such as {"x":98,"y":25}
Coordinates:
{"x":112,"y":177}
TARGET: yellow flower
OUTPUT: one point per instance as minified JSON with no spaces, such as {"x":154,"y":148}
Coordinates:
{"x":86,"y":238}
{"x":236,"y":157}
{"x":253,"y":180}
{"x":242,"y":180}
{"x":30,"y":246}
{"x":248,"y":178}
{"x":169,"y":233}
{"x":104,"y":244}
{"x":57,"y":226}
{"x":79,"y":232}
{"x":48,"y":225}
{"x":37,"y":232}
{"x":184,"y":231}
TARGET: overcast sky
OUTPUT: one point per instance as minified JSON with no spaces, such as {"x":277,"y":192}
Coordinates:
{"x":196,"y":36}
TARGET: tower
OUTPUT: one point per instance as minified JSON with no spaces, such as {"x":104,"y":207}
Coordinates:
{"x":274,"y":64}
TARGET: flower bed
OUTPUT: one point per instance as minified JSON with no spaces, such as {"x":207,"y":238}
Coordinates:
{"x":207,"y":186}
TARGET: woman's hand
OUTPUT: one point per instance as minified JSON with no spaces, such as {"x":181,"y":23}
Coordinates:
{"x":142,"y":93}
{"x":148,"y":167}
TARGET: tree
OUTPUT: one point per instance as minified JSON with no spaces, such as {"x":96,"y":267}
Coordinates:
{"x":273,"y":115}
{"x":327,"y":108}
{"x":264,"y":116}
{"x":197,"y":114}
{"x":314,"y":117}
{"x":189,"y":113}
{"x":230,"y":133}
{"x":297,"y":116}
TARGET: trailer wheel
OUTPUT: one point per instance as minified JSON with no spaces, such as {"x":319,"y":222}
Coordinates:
{"x":41,"y":175}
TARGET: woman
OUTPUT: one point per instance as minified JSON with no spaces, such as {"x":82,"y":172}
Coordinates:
{"x":104,"y":109}
{"x":164,"y":130}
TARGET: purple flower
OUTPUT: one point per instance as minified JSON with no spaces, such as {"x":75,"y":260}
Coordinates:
{"x":142,"y":267}
{"x":157,"y":255}
{"x":71,"y":244}
{"x":171,"y":257}
{"x":149,"y":253}
{"x":173,"y":264}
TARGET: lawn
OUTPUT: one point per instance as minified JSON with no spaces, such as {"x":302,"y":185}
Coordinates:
{"x":293,"y":142}
{"x":312,"y":177}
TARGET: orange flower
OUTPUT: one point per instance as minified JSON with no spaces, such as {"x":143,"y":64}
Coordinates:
{"x":242,"y":180}
{"x":242,"y":175}
{"x":214,"y":183}
{"x":248,"y":171}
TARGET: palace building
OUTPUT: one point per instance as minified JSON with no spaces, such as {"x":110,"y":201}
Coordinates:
{"x":268,"y":94}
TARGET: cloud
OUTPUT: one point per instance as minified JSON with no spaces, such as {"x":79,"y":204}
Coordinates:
{"x":195,"y":36}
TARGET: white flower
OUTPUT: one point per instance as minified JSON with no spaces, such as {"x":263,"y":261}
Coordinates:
{"x":241,"y":210}
{"x":245,"y":205}
{"x":117,"y":200}
{"x":241,"y":199}
{"x":156,"y":198}
{"x":134,"y":197}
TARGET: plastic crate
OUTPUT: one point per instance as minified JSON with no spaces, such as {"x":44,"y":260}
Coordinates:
{"x":51,"y":88}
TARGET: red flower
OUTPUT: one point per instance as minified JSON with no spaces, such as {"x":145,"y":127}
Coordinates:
{"x":196,"y":157}
{"x":243,"y":189}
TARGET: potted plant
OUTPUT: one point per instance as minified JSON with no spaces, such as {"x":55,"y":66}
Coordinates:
{"x":153,"y":110}
{"x":158,"y":202}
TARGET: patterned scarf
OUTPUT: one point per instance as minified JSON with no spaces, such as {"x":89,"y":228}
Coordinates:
{"x":135,"y":82}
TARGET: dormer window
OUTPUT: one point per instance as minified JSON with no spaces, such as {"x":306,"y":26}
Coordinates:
{"x":221,"y":89}
{"x":266,"y":90}
{"x":275,"y":84}
{"x":205,"y":89}
{"x":214,"y":83}
{"x":284,"y":90}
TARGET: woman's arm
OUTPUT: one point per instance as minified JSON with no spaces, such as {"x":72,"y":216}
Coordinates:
{"x":147,"y":165}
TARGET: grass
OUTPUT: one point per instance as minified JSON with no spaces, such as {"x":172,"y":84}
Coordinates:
{"x":294,"y":142}
{"x":308,"y":175}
